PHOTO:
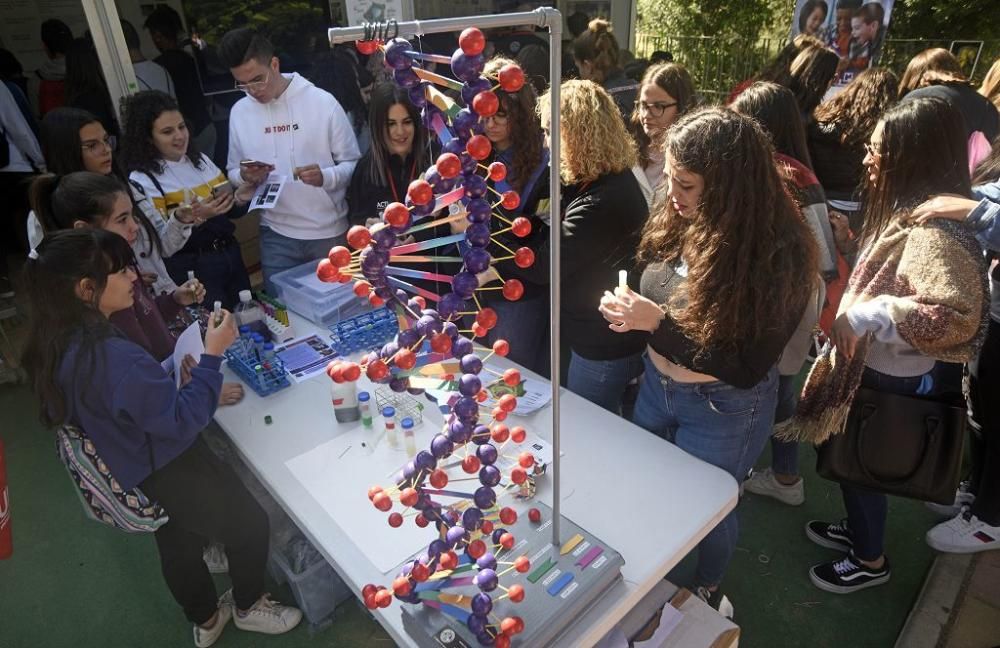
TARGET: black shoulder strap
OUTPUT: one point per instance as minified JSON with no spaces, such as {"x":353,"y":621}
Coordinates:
{"x":156,"y":183}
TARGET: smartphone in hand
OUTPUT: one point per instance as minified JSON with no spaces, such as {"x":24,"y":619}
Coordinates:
{"x":223,"y":188}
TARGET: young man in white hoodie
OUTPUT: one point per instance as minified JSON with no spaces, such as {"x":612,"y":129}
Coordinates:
{"x":299,"y":134}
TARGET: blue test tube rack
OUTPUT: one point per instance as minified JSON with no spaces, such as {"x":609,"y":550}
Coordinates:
{"x":242,"y":359}
{"x":364,"y":332}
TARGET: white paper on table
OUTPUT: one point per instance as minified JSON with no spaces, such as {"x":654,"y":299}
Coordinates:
{"x":306,"y":357}
{"x":189,"y":343}
{"x":267,"y":194}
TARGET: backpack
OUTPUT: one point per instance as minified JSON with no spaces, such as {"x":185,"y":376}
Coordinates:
{"x":51,"y":94}
{"x":102,"y":497}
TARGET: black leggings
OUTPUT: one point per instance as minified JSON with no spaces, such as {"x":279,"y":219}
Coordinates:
{"x":984,"y":387}
{"x":206,"y":500}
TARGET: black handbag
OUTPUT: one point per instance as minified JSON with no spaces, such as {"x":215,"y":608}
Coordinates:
{"x":910,"y":446}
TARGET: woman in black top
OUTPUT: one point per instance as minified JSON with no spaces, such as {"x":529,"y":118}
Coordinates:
{"x":721,"y":294}
{"x":603,"y":215}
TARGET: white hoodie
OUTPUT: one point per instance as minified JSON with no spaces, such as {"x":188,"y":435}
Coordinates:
{"x":305,"y":125}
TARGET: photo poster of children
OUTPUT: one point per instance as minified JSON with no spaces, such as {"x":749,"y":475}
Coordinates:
{"x":854,"y":29}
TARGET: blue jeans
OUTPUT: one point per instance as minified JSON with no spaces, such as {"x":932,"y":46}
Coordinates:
{"x":603,"y":382}
{"x":719,"y":424}
{"x":867,"y":509}
{"x":279,"y":252}
{"x":785,"y":454}
{"x":525,"y":324}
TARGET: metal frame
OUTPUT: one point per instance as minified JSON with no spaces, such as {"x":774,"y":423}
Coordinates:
{"x":106,"y":28}
{"x":551,"y":19}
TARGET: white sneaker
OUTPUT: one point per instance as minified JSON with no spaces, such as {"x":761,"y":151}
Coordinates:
{"x":962,"y":498}
{"x":766,"y":484}
{"x":268,"y":617}
{"x":214,"y":556}
{"x":964,"y":533}
{"x":204,"y":638}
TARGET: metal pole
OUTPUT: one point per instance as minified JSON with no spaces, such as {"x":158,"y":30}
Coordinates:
{"x":542,"y":17}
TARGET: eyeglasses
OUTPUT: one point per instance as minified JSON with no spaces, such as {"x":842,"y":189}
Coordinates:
{"x":254,"y":85}
{"x":654,"y":109}
{"x":99,"y":146}
{"x":871,"y":150}
{"x":499,"y":118}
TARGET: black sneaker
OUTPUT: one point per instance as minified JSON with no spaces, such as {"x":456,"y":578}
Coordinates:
{"x":848,"y":575}
{"x":831,"y":536}
{"x":716,"y":600}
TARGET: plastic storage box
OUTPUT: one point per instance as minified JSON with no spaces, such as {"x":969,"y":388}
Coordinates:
{"x":323,"y":303}
{"x":318,"y":590}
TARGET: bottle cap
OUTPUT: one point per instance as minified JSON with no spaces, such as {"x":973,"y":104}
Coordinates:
{"x":364,"y":396}
{"x":245,"y":296}
{"x":407,"y":422}
{"x":269,"y":346}
{"x":388,"y":412}
{"x":244,"y":329}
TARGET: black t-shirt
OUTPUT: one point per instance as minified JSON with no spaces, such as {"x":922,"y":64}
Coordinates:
{"x":979,"y":114}
{"x":184,"y":73}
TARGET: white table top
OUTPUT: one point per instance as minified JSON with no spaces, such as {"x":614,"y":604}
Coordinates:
{"x":644,"y":497}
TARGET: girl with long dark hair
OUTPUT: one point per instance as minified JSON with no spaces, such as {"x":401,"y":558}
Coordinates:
{"x":144,"y":429}
{"x":916,"y":296}
{"x":163,"y":159}
{"x":665,"y":95}
{"x":720,"y":296}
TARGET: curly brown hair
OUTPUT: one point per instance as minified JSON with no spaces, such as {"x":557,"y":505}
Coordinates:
{"x":594,"y":139}
{"x":749,"y":252}
{"x":855,"y":111}
{"x":674,"y":79}
{"x":523,"y":120}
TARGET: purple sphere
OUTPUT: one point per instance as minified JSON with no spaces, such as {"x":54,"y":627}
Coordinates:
{"x":466,"y":68}
{"x":399,"y":385}
{"x":428,"y":325}
{"x":489,"y":475}
{"x":478,"y":235}
{"x":480,"y":435}
{"x":388,"y":350}
{"x":470,"y":363}
{"x":395,"y":54}
{"x":482,"y":603}
{"x":461,"y":347}
{"x":469,"y":385}
{"x":487,"y":454}
{"x":450,"y":329}
{"x":384,"y":239}
{"x":418,"y":96}
{"x":456,"y":535}
{"x":466,"y":408}
{"x":436,"y":548}
{"x":409,"y":470}
{"x":419,"y":211}
{"x":450,"y":305}
{"x":496,"y":535}
{"x":487,"y":561}
{"x":471,"y":518}
{"x":464,"y":283}
{"x":471,"y":88}
{"x":486,"y":639}
{"x":486,"y":580}
{"x":479,"y":210}
{"x":463,"y":123}
{"x":441,"y":447}
{"x":374,"y":261}
{"x":431,"y":175}
{"x":385,"y":292}
{"x":406,"y":78}
{"x":424,"y":460}
{"x":454,"y":145}
{"x":475,"y":185}
{"x":485,"y":498}
{"x":477,"y":623}
{"x":477,"y":260}
{"x":459,"y":431}
{"x":407,"y":338}
{"x":469,"y":163}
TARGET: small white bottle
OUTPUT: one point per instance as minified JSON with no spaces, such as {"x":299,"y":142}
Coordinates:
{"x":344,"y":396}
{"x":248,"y":312}
{"x":408,"y":440}
{"x":389,"y":416}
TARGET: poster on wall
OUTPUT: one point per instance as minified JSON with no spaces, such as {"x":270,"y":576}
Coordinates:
{"x":362,"y":11}
{"x":854,"y":29}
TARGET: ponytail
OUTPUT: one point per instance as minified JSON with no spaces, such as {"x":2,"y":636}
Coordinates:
{"x":599,"y":46}
{"x":60,"y":202}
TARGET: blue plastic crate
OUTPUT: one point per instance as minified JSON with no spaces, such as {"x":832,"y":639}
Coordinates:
{"x":264,"y":382}
{"x":364,"y":332}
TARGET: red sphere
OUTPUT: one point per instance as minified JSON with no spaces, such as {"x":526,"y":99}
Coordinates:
{"x":526,"y":459}
{"x":448,"y":560}
{"x":498,"y":414}
{"x":401,"y":586}
{"x":479,"y":147}
{"x":375,"y":300}
{"x":408,"y":496}
{"x":369,"y":590}
{"x":420,"y":572}
{"x":478,"y":330}
{"x":362,"y":288}
{"x":482,"y":396}
{"x":395,"y":520}
{"x":512,"y":377}
{"x":508,"y":515}
{"x":406,"y":359}
{"x":339,"y":256}
{"x":507,"y":402}
{"x":507,"y":540}
{"x":501,"y":641}
{"x":396,"y":214}
{"x":471,"y":464}
{"x":487,"y":317}
{"x":521,"y":226}
{"x":441,"y":343}
{"x":501,"y":348}
{"x":373,"y":491}
{"x":439,"y":478}
{"x":351,"y":372}
{"x":377,"y":370}
{"x":345,"y":278}
{"x":486,"y":104}
{"x":370,"y":601}
{"x":472,"y":41}
{"x":518,"y":475}
{"x":497,"y":171}
{"x":476,"y":549}
{"x":511,"y":78}
{"x":510,"y":200}
{"x":420,"y":192}
{"x":448,"y":165}
{"x":534,"y":515}
{"x":382,"y":502}
{"x":513,"y":289}
{"x":515,"y":593}
{"x":486,"y":527}
{"x":326,"y":271}
{"x":500,"y":433}
{"x":368,"y":47}
{"x":383,"y":598}
{"x":522,"y":564}
{"x":420,"y":520}
{"x":524,"y":257}
{"x":518,"y":434}
{"x":358,"y":237}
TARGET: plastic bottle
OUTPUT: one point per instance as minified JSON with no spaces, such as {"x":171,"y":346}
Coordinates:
{"x":344,"y":396}
{"x":389,"y":414}
{"x":365,"y":406}
{"x":248,"y":312}
{"x":408,"y":440}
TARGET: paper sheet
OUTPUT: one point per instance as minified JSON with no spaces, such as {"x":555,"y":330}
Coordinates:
{"x":267,"y":194}
{"x":305,"y":357}
{"x":189,"y":343}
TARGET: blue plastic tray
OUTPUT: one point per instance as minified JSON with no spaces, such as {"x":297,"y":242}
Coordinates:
{"x":264,"y":382}
{"x":364,"y":332}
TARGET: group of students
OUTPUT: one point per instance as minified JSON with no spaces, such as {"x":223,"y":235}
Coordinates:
{"x":718,"y":215}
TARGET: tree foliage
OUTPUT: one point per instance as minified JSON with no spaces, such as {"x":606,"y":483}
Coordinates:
{"x":294,"y":27}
